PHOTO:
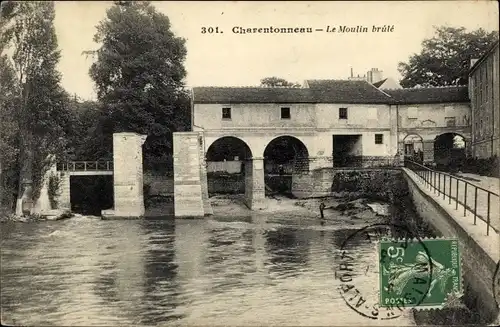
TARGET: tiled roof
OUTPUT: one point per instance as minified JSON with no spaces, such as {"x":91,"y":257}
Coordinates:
{"x":430,"y":94}
{"x":330,"y":91}
{"x":251,"y":95}
{"x":345,"y":91}
{"x":379,"y":83}
{"x":319,"y":91}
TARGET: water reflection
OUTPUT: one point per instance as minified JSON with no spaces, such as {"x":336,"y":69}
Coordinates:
{"x":160,"y":296}
{"x":287,"y":251}
{"x":256,"y":270}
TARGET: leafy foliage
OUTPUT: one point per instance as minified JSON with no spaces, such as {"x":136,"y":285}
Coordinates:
{"x":139,"y":74}
{"x":277,"y":82}
{"x":40,"y":103}
{"x":445,"y":58}
{"x":54,"y":188}
{"x":89,"y":138}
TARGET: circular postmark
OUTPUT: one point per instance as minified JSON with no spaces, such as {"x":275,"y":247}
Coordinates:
{"x":404,"y":275}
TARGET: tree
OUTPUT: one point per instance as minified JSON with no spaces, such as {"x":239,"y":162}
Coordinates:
{"x":88,"y":138}
{"x":9,"y":95}
{"x":277,"y":82}
{"x":139,"y":74}
{"x":41,"y":110}
{"x":445,"y":58}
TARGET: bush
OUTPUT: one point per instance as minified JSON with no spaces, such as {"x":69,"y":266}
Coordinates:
{"x":53,"y":190}
{"x":480,"y":166}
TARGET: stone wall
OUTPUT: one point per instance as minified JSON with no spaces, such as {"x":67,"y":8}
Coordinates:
{"x":478,"y":267}
{"x":64,"y":198}
{"x":159,"y":184}
{"x":226,"y":184}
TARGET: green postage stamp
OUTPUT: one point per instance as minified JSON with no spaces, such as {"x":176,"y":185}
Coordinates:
{"x":421,"y":274}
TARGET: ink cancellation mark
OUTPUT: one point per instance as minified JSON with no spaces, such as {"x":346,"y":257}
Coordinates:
{"x":351,"y":273}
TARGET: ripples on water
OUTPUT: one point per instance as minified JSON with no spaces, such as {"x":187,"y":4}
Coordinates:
{"x":245,"y":271}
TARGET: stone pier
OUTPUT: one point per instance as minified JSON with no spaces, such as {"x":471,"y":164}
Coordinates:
{"x":190,"y":196}
{"x":254,"y":184}
{"x":64,"y":198}
{"x":428,"y":149}
{"x":127,"y":176}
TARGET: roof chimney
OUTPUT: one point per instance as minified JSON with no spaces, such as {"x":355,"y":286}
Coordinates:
{"x":352,"y":72}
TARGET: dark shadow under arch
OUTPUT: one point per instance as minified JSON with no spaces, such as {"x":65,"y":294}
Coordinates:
{"x":226,"y":159}
{"x":284,"y":157}
{"x":449,"y":150}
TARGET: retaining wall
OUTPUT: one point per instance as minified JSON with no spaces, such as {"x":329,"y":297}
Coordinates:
{"x":478,"y":266}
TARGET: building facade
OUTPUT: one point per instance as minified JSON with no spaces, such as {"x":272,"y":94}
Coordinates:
{"x":484,"y":94}
{"x":328,"y":121}
{"x":429,"y":117}
{"x":334,"y":122}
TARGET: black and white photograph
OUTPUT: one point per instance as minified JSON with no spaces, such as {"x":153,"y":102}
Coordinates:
{"x":249,"y":163}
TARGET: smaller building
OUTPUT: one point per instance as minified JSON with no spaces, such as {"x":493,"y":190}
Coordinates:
{"x":387,"y":83}
{"x":484,"y":94}
{"x":433,"y":122}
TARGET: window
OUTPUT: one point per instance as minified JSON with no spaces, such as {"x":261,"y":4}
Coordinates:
{"x":285,"y":113}
{"x":226,"y":113}
{"x":450,"y":121}
{"x":342,"y":113}
{"x":379,"y":138}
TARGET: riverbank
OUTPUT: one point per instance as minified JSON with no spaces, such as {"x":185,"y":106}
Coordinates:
{"x":48,"y":216}
{"x":356,"y":207}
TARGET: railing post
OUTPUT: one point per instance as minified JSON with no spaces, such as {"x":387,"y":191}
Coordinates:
{"x":465,"y":199}
{"x":456,"y":197}
{"x":475,"y":205}
{"x":449,"y":191}
{"x":488,"y":216}
{"x":439,"y":182}
{"x":107,"y":165}
{"x":85,"y":166}
{"x":434,"y":184}
{"x":444,"y":187}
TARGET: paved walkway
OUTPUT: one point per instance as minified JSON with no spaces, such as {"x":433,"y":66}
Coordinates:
{"x":467,"y":194}
{"x":490,"y":183}
{"x":490,"y":243}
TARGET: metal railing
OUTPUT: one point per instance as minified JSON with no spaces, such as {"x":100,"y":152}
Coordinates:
{"x":86,"y":166}
{"x":482,"y":203}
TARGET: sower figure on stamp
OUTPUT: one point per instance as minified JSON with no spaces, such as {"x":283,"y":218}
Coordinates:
{"x":401,"y":274}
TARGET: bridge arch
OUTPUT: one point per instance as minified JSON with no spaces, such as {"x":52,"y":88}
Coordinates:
{"x":286,"y":153}
{"x":413,"y":146}
{"x":227,"y":148}
{"x":449,"y":150}
{"x":227,"y":159}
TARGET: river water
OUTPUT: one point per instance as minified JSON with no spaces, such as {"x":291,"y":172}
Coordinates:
{"x":272,"y":269}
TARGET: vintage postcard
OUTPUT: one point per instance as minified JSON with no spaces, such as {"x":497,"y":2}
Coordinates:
{"x":243,"y":163}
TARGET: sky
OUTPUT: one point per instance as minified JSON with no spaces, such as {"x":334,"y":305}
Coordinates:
{"x":229,"y":59}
